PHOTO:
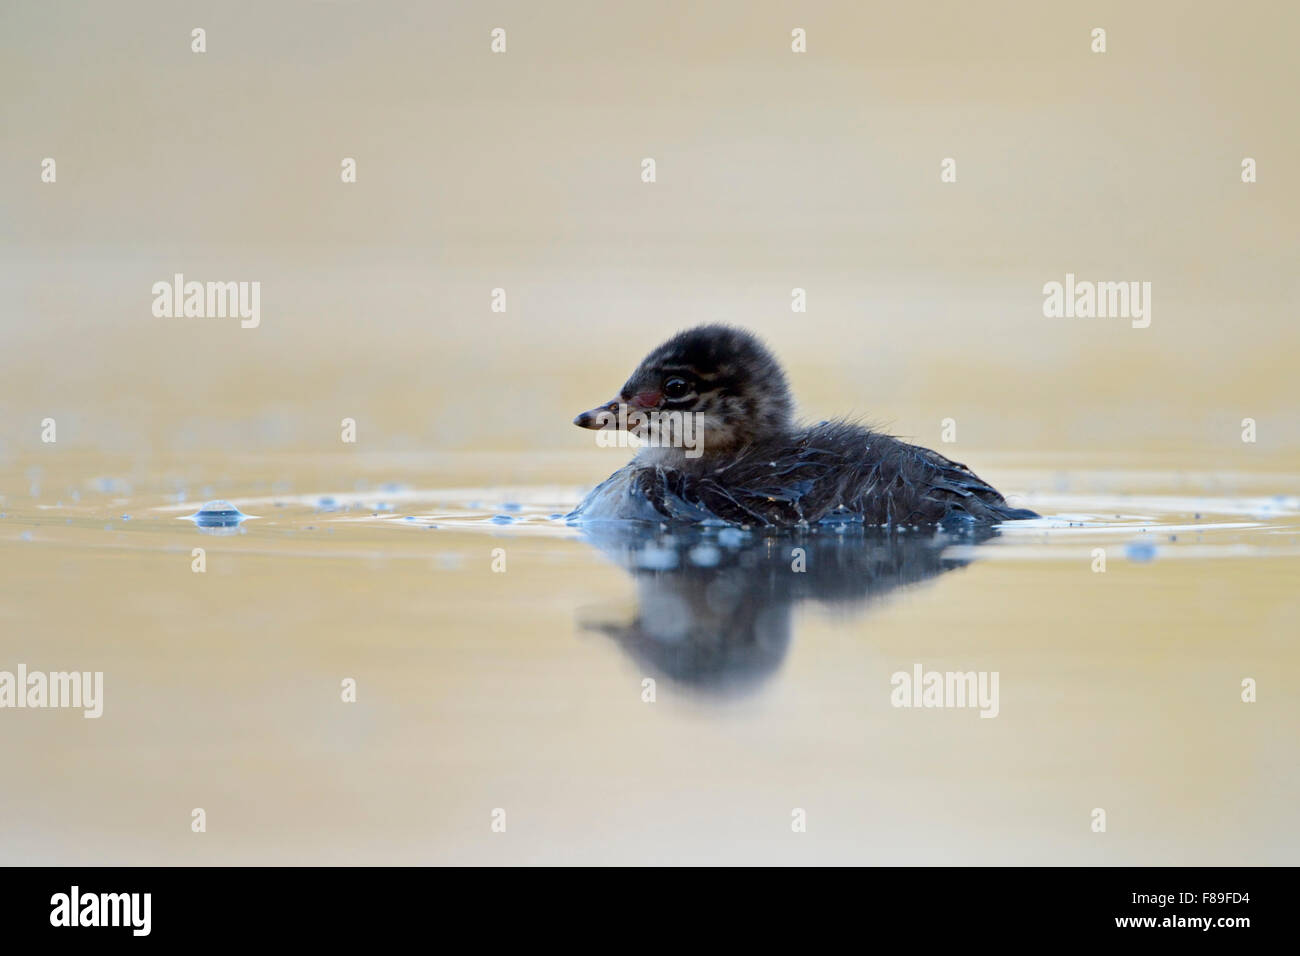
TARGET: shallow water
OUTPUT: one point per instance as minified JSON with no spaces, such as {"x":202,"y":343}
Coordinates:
{"x":522,"y":688}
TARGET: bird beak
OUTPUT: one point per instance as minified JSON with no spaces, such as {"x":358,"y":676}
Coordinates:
{"x":602,"y":416}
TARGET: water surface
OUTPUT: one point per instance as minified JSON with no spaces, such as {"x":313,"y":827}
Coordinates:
{"x":524,"y":687}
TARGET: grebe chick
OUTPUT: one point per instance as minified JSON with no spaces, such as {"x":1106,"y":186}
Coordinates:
{"x":723,"y":447}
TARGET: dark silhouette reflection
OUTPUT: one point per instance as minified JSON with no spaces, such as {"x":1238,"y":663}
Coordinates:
{"x":714,"y":607}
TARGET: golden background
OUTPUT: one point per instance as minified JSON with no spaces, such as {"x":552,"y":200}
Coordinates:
{"x":522,"y":171}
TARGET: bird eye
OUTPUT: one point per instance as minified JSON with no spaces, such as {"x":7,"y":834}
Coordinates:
{"x":677,"y":388}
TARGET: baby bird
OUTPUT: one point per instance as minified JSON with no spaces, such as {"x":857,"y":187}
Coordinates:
{"x":722,"y":447}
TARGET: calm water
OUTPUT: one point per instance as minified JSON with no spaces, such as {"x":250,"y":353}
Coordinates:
{"x":523,"y":688}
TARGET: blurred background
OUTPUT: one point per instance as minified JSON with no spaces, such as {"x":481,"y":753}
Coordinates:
{"x":522,"y":171}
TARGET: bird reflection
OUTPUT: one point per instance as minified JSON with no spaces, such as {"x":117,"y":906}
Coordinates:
{"x":714,"y":607}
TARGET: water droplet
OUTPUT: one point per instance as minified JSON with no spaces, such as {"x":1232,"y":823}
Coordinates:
{"x":705,"y":556}
{"x":1140,"y":552}
{"x":731,"y":537}
{"x":218,"y":517}
{"x":656,"y":559}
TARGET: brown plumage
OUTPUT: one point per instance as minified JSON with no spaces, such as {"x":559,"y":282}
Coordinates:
{"x":754,"y":466}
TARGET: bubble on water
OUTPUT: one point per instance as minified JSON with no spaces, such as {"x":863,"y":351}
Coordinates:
{"x":390,"y":487}
{"x":383,"y":506}
{"x":502,"y":519}
{"x":731,"y":537}
{"x":126,"y":517}
{"x":1140,"y":551}
{"x":218,"y":517}
{"x":653,"y":558}
{"x":218,"y":511}
{"x":704,"y":556}
{"x":326,"y":503}
{"x":512,"y":506}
